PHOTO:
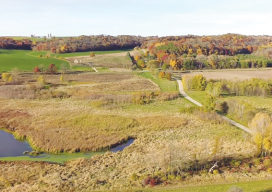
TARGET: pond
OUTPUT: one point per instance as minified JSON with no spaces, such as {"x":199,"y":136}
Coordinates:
{"x":12,"y":149}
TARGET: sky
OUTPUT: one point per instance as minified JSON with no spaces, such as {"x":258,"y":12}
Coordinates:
{"x":130,"y":17}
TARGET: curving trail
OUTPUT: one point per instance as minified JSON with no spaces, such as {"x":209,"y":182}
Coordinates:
{"x":182,"y":92}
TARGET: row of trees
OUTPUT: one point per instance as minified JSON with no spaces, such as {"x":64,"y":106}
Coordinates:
{"x":9,"y":43}
{"x":211,"y":52}
{"x":52,"y":68}
{"x":210,"y":62}
{"x":229,"y":44}
{"x":251,"y":87}
{"x":89,"y":43}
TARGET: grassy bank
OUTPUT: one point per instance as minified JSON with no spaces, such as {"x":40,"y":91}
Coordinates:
{"x":52,"y":158}
{"x":253,"y":186}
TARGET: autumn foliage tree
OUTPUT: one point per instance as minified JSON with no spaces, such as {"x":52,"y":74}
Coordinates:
{"x":37,"y":70}
{"x":262,"y":132}
{"x":199,"y":82}
{"x":92,"y":54}
{"x":168,"y":76}
{"x":52,"y":69}
{"x":6,"y":77}
{"x":137,"y":57}
{"x":162,"y":74}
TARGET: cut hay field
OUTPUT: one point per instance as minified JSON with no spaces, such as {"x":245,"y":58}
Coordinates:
{"x":20,"y":59}
{"x":78,"y":54}
{"x":107,"y":59}
{"x":237,"y":74}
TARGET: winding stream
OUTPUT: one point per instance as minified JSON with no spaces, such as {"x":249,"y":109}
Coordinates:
{"x":12,"y":149}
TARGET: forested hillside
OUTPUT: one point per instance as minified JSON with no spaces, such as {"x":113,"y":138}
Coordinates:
{"x":89,"y":43}
{"x":209,"y":52}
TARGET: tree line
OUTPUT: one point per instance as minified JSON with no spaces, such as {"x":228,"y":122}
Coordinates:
{"x":10,"y":43}
{"x":88,"y":43}
{"x":210,"y":52}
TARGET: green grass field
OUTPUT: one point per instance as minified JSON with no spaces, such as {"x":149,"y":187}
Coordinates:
{"x":254,"y":186}
{"x":77,"y":54}
{"x":31,"y":38}
{"x":23,"y":37}
{"x":23,"y":61}
{"x":164,"y":84}
{"x":197,"y":95}
{"x":54,"y":158}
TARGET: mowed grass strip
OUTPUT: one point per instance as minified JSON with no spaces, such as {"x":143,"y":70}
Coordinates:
{"x":164,"y":84}
{"x":20,"y":59}
{"x":77,"y":54}
{"x":254,"y":186}
{"x":197,"y":95}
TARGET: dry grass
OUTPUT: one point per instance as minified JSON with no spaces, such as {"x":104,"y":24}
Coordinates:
{"x":239,"y":75}
{"x":154,"y":150}
{"x":70,"y":125}
{"x":26,"y":78}
{"x":164,"y":137}
{"x":115,"y":60}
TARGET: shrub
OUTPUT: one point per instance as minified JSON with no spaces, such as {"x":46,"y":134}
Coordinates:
{"x":52,"y":69}
{"x":152,"y":64}
{"x":10,"y":78}
{"x":162,"y":74}
{"x":215,"y":172}
{"x":267,"y":162}
{"x":209,"y":103}
{"x":153,"y":182}
{"x":178,"y":177}
{"x":137,"y":57}
{"x":165,"y":67}
{"x":224,"y":107}
{"x":134,"y":177}
{"x":187,"y":81}
{"x":168,"y":76}
{"x":61,"y":78}
{"x":256,"y":161}
{"x":164,"y":96}
{"x":6,"y":76}
{"x":235,"y":163}
{"x":92,"y":54}
{"x":37,"y":70}
{"x":146,"y":181}
{"x":210,"y":116}
{"x":41,"y":80}
{"x":140,"y":62}
{"x":171,"y":177}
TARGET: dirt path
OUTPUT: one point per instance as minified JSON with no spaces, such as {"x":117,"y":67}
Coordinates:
{"x":182,"y":92}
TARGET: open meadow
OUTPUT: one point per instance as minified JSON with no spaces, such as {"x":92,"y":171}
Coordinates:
{"x":21,"y":59}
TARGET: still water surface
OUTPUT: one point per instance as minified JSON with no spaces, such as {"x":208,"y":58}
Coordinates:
{"x":13,"y":149}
